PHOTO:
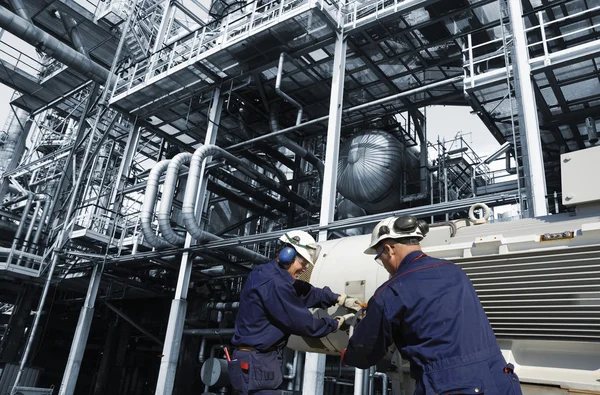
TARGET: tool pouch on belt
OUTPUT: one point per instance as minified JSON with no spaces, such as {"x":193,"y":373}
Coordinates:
{"x":264,"y":372}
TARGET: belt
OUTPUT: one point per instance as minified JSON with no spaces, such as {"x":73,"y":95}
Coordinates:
{"x":269,"y":349}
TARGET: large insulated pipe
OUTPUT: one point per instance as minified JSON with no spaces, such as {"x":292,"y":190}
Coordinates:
{"x":292,"y":146}
{"x":191,"y":192}
{"x":148,"y":207}
{"x":19,"y":8}
{"x":166,"y":201}
{"x":71,"y":27}
{"x":41,"y":40}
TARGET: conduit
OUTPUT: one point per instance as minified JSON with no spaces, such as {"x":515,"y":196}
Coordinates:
{"x":292,"y":146}
{"x":191,"y":189}
{"x":166,"y":201}
{"x":148,"y":207}
{"x":152,"y":186}
{"x":41,"y":40}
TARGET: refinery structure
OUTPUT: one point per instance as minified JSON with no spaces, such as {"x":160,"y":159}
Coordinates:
{"x":155,"y":150}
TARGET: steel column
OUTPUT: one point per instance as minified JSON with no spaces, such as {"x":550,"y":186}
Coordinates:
{"x":529,"y":128}
{"x":168,"y":364}
{"x":314,"y":366}
{"x":82,"y":331}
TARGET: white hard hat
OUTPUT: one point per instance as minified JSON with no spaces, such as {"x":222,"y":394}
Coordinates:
{"x":404,"y":227}
{"x":303,"y":243}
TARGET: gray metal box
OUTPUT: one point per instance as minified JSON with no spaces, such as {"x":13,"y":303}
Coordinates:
{"x":578,"y":176}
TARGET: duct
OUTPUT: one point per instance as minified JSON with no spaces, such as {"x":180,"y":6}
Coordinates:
{"x":38,"y":231}
{"x":235,"y":197}
{"x":235,"y":182}
{"x":246,"y":136}
{"x":292,"y":146}
{"x":166,"y":201}
{"x":20,"y":228}
{"x":281,"y":93}
{"x":194,"y":177}
{"x":41,"y":40}
{"x":191,"y":191}
{"x":348,"y":209}
{"x":210,"y":333}
{"x":223,"y":305}
{"x":214,"y":271}
{"x":19,"y":9}
{"x":12,"y":145}
{"x":164,"y":214}
{"x":71,"y":28}
{"x":148,"y":208}
{"x":293,"y":368}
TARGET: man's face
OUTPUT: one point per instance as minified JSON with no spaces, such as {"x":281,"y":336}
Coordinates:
{"x":385,"y":257}
{"x":298,"y":267}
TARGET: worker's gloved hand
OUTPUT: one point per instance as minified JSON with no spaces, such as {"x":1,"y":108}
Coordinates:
{"x":349,"y":302}
{"x":344,"y":321}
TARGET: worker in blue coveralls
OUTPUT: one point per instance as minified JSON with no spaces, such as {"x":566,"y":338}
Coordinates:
{"x":274,"y":305}
{"x":430,"y":310}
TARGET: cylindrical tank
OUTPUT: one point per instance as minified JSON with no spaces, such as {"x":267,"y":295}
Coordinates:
{"x":371,"y":170}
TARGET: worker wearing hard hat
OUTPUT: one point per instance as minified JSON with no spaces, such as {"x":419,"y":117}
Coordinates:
{"x":274,"y":305}
{"x":430,"y":310}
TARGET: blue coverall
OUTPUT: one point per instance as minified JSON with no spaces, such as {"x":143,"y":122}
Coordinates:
{"x":273,"y":306}
{"x":430,"y":310}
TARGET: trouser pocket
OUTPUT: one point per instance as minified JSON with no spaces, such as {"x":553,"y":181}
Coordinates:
{"x":265,"y":370}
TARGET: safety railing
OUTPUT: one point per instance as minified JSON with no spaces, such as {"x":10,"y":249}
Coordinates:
{"x":217,"y":35}
{"x":20,"y":60}
{"x":359,"y":14}
{"x":545,"y":29}
{"x":542,"y":45}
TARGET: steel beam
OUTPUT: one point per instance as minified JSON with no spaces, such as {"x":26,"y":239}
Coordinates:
{"x":67,"y":386}
{"x":168,"y":364}
{"x":314,"y":365}
{"x":535,"y":178}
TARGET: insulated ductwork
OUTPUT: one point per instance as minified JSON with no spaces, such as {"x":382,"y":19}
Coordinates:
{"x":191,"y":191}
{"x":370,"y":170}
{"x":41,"y":40}
{"x":166,"y":201}
{"x":148,"y":207}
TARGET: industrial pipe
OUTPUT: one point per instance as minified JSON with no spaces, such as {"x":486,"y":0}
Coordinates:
{"x":282,"y":93}
{"x":20,"y":228}
{"x":166,"y":201}
{"x":292,"y":146}
{"x":19,"y":8}
{"x":191,"y":190}
{"x":148,"y":208}
{"x":43,"y":41}
{"x":384,"y":381}
{"x":71,"y":27}
{"x":210,"y":333}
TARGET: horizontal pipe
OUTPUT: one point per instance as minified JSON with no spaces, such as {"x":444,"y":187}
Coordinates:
{"x":209,"y":332}
{"x":351,"y":109}
{"x":44,"y":42}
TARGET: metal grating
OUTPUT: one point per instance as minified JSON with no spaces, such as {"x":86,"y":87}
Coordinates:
{"x":550,"y":295}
